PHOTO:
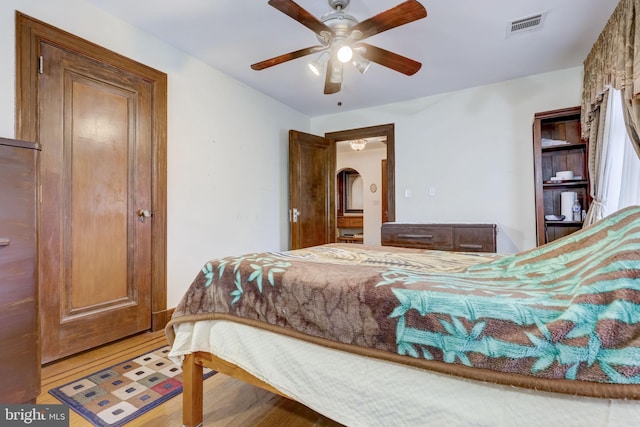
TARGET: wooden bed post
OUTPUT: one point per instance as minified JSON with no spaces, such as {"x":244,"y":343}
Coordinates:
{"x":191,"y":392}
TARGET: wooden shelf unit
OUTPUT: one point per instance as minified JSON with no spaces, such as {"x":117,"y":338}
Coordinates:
{"x":559,"y":125}
{"x":350,"y":229}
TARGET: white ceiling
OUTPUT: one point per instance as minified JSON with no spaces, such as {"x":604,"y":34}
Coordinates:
{"x":461,"y":44}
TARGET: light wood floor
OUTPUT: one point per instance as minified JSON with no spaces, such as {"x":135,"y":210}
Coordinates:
{"x":227,"y":402}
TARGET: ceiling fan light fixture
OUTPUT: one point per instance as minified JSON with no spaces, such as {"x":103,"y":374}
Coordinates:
{"x":358,"y":144}
{"x":336,"y":72}
{"x":361,"y":64}
{"x":344,"y":54}
{"x":315,"y":67}
{"x":318,"y":64}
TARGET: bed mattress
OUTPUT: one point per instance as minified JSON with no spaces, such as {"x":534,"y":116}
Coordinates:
{"x":331,"y":382}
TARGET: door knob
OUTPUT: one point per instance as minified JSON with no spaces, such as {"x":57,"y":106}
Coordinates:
{"x":296,"y":214}
{"x":143,"y":214}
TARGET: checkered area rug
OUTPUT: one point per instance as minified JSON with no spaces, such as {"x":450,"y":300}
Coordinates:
{"x":116,"y":395}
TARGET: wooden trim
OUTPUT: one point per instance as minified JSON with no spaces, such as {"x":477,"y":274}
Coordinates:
{"x":29,"y":33}
{"x":387,"y":130}
{"x":159,"y":319}
{"x":562,"y":112}
{"x":537,"y":180}
{"x":159,"y":197}
{"x":20,"y":144}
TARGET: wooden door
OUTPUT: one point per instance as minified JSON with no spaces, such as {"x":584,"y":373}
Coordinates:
{"x":95,"y":251}
{"x":312,"y":166}
{"x":385,"y":204}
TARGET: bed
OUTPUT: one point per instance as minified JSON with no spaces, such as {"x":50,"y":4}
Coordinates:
{"x":392,"y":336}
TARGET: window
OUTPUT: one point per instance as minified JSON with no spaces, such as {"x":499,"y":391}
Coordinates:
{"x":621,"y":183}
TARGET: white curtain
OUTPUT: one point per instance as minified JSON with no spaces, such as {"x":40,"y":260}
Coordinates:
{"x":598,"y":169}
{"x":617,"y":180}
{"x":630,"y":184}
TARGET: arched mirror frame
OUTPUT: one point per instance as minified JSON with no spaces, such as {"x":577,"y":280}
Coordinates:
{"x":386,"y":130}
{"x":346,"y":181}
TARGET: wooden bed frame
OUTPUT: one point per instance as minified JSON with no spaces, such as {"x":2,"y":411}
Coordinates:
{"x":192,"y":397}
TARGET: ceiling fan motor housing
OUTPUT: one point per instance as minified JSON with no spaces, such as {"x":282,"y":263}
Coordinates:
{"x":339,"y":22}
{"x":342,"y":4}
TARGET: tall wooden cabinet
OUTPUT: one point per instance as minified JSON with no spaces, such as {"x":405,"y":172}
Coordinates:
{"x":19,"y":334}
{"x":557,"y":147}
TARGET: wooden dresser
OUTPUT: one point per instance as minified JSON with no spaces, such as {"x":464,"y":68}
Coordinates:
{"x":350,"y":229}
{"x":19,"y":334}
{"x":443,"y":237}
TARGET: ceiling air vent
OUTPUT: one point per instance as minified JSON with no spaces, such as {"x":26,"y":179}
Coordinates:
{"x":529,"y":23}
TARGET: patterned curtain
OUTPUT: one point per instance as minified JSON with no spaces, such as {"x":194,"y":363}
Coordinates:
{"x":613,"y":61}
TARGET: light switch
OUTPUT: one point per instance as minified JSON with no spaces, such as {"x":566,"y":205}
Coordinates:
{"x":407,"y":193}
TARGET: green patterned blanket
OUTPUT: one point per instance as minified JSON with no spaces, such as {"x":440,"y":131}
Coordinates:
{"x":564,"y":317}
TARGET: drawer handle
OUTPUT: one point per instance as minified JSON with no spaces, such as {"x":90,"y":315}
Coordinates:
{"x":415,"y":236}
{"x":4,"y":241}
{"x":470,"y":246}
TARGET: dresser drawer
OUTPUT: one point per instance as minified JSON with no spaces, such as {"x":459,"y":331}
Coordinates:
{"x":474,"y":239}
{"x":443,"y":237}
{"x":350,"y":222}
{"x":424,"y":236}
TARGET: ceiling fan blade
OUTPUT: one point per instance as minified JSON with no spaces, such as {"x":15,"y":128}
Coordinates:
{"x":329,"y":86}
{"x":295,"y":11}
{"x":404,"y":13}
{"x":396,"y":62}
{"x":286,"y":57}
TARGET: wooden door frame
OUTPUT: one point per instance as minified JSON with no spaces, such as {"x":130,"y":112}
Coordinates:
{"x":29,"y":33}
{"x":387,"y":130}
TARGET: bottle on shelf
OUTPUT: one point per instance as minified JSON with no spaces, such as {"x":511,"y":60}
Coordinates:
{"x":577,"y":210}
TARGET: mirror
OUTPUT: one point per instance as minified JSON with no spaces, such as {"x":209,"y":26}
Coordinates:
{"x":352,"y":191}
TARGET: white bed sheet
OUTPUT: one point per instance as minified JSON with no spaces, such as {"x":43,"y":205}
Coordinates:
{"x":360,"y":391}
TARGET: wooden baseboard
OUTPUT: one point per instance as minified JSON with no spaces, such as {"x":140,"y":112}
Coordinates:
{"x":159,"y":319}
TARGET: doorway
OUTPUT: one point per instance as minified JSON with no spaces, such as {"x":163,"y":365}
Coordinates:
{"x":312,"y":183}
{"x":101,"y":120}
{"x":377,"y":162}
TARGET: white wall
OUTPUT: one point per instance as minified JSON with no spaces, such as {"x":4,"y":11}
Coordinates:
{"x":227,"y":144}
{"x":367,"y":163}
{"x":474,"y":147}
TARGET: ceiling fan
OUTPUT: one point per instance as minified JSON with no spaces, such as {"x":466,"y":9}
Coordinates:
{"x":341,"y":36}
